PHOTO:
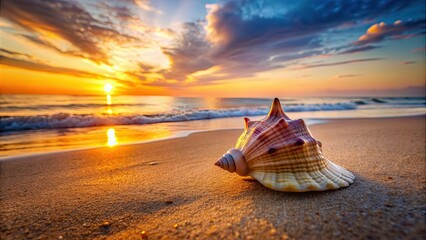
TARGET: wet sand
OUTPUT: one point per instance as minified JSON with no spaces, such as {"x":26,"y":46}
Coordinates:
{"x":172,"y":190}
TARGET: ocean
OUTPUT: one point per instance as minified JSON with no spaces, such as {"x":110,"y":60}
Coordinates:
{"x":31,"y":124}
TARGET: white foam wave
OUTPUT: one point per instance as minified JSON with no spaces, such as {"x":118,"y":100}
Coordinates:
{"x":66,"y":120}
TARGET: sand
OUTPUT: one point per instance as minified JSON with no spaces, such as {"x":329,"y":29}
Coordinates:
{"x":172,"y":190}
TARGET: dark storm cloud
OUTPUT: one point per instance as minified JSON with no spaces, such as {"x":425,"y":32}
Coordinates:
{"x":66,"y":19}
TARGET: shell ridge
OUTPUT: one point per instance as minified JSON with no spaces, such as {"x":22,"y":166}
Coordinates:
{"x":291,"y":163}
{"x":247,"y":151}
{"x":344,"y":174}
{"x":333,"y":176}
{"x":318,"y":180}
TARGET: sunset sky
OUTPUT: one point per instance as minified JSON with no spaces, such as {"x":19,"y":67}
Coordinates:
{"x":213,"y":48}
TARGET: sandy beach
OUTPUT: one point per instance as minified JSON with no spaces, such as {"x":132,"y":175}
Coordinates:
{"x":171,"y":189}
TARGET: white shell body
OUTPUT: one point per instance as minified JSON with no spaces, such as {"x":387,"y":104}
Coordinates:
{"x":283,"y":155}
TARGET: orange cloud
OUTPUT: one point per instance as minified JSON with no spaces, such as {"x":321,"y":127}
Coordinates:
{"x":380,"y":31}
{"x":345,"y":76}
{"x":64,"y":21}
{"x":41,"y":67}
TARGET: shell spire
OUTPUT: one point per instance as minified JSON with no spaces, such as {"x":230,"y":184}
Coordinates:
{"x":246,"y":122}
{"x":276,"y":110}
{"x":233,"y":161}
{"x":282,"y":154}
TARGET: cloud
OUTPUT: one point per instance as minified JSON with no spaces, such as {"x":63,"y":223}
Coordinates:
{"x":41,"y":67}
{"x":237,"y":39}
{"x":120,"y":12}
{"x":358,"y":49}
{"x":66,"y":20}
{"x":416,"y":90}
{"x":250,"y":37}
{"x":144,"y":5}
{"x":345,"y":76}
{"x":238,"y":26}
{"x":13,"y":62}
{"x":243,"y":38}
{"x":380,"y":31}
{"x":45,"y":43}
{"x":125,"y":10}
{"x":15,"y":54}
{"x":336,"y":63}
{"x":417,"y":50}
{"x":189,"y":54}
{"x":408,"y":62}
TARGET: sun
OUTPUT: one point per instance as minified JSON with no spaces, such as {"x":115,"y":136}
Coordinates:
{"x":108,"y":88}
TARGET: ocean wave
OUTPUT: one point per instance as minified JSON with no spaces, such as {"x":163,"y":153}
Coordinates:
{"x":360,"y":102}
{"x":378,"y":100}
{"x":66,"y":120}
{"x":369,"y":101}
{"x":391,"y":101}
{"x":67,"y":106}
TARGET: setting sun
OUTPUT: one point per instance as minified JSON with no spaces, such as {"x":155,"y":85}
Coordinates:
{"x":108,"y":88}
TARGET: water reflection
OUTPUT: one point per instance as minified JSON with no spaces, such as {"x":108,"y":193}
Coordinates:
{"x":109,"y":104}
{"x":112,"y":139}
{"x":109,"y":99}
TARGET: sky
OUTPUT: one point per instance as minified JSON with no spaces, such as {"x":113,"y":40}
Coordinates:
{"x":229,"y":48}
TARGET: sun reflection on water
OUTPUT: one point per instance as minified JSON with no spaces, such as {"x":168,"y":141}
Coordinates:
{"x":109,"y":110}
{"x":109,"y":99}
{"x":112,"y":139}
{"x":109,"y":102}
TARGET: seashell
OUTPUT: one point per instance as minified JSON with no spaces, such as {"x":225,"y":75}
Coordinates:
{"x":282,"y":154}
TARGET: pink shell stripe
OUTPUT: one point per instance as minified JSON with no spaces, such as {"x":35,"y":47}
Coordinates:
{"x":284,"y":146}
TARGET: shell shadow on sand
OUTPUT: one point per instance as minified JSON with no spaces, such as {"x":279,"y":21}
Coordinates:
{"x":366,"y":210}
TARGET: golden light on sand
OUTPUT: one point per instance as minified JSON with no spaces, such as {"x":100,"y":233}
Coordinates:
{"x":112,"y":139}
{"x":108,"y":88}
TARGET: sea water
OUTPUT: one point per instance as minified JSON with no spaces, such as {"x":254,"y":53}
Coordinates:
{"x":42,"y":123}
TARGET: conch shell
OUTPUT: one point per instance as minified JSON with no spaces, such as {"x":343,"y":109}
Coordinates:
{"x":282,"y":154}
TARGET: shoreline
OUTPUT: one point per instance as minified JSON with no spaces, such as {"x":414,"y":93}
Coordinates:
{"x":186,"y":133}
{"x":171,"y":189}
